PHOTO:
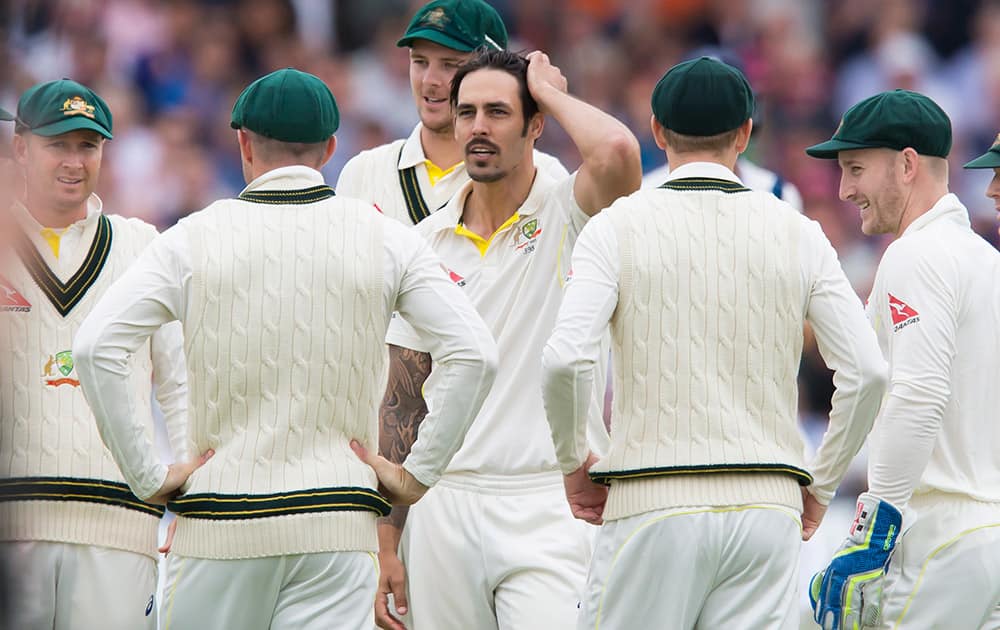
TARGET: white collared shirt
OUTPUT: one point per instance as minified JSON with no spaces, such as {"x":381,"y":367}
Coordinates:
{"x":516,"y":286}
{"x":935,"y":305}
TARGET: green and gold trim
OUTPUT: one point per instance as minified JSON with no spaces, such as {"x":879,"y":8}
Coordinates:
{"x":705,"y":183}
{"x":66,"y":296}
{"x":605,"y":477}
{"x":74,"y":489}
{"x":416,"y":206}
{"x":246,"y":506}
{"x":288,"y":197}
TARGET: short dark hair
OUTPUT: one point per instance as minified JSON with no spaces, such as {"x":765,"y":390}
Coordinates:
{"x":512,"y":63}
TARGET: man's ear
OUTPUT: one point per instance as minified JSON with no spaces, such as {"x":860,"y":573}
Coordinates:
{"x":246,"y":147}
{"x":743,"y":137}
{"x":20,"y":147}
{"x":911,"y":162}
{"x":658,"y":132}
{"x":331,"y":148}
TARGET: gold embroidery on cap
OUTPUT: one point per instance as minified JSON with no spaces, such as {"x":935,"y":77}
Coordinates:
{"x":435,"y":17}
{"x":76,"y":106}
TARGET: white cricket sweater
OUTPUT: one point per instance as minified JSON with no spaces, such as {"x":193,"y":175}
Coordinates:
{"x":58,"y":482}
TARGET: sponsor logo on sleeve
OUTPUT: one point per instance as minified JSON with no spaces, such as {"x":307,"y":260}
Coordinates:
{"x":902,"y":313}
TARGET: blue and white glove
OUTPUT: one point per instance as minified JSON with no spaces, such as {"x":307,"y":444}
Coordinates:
{"x":848,"y":594}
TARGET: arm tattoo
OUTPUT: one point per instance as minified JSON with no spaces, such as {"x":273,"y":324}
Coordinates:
{"x":402,"y":410}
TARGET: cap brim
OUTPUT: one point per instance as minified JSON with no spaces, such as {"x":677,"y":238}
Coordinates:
{"x":5,"y":115}
{"x":990,"y":159}
{"x":434,"y":36}
{"x":828,"y":150}
{"x":71,"y":124}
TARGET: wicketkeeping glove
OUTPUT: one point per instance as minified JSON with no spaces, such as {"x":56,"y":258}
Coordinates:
{"x":847,"y":595}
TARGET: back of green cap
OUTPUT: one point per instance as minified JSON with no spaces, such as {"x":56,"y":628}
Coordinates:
{"x":702,"y":97}
{"x":462,"y":25}
{"x":287,"y":105}
{"x":5,"y":115}
{"x":58,"y":107}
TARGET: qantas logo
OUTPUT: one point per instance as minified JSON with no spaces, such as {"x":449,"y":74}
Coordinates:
{"x":902,"y":313}
{"x":11,"y":299}
{"x":457,"y":279}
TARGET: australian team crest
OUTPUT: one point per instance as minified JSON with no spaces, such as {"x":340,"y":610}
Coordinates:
{"x":435,"y":17}
{"x":76,"y":106}
{"x":525,"y":241}
{"x":58,"y":368}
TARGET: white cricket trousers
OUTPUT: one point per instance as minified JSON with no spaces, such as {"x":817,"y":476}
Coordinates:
{"x":945,"y":571}
{"x":63,"y":586}
{"x":699,"y":567}
{"x":506,"y":554}
{"x":313,"y":591}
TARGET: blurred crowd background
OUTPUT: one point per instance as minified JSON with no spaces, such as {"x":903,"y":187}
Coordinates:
{"x":171,"y":69}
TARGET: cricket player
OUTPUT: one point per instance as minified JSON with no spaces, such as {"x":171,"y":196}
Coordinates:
{"x":285,"y":294}
{"x":410,"y":178}
{"x":705,"y":285}
{"x":494,"y":545}
{"x":80,"y":545}
{"x":991,"y":159}
{"x":924,"y":548}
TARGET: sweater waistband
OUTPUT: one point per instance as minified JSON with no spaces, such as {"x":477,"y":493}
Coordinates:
{"x":75,"y":489}
{"x":213,"y":506}
{"x":628,"y":497}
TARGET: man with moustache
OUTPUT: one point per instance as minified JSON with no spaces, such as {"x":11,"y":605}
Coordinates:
{"x":495,"y":545}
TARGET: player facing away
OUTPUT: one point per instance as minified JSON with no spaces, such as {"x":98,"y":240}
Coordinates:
{"x":924,"y":548}
{"x":79,"y":545}
{"x":705,"y":286}
{"x":494,"y":545}
{"x":991,"y":159}
{"x":410,"y":178}
{"x":285,"y":294}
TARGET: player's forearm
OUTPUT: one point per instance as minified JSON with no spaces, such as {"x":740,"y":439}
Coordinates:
{"x":403,"y":407}
{"x":854,"y":405}
{"x":390,"y":530}
{"x":566,"y":391}
{"x":908,"y":428}
{"x":170,"y":378}
{"x":105,"y":379}
{"x":462,"y":386}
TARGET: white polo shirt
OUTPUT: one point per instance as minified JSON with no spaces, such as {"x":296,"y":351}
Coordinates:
{"x":376,"y":175}
{"x":515,"y":281}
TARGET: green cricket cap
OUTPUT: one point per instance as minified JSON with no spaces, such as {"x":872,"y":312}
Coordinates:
{"x":287,"y":105}
{"x":891,"y":120}
{"x":5,"y":115}
{"x":462,"y":25}
{"x":57,"y":107}
{"x":702,"y":97}
{"x":990,"y":159}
